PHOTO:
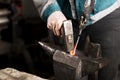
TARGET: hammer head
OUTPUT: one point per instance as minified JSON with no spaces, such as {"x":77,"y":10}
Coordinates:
{"x":67,"y":35}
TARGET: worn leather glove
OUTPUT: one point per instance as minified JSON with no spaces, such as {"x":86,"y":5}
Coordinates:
{"x":54,"y":22}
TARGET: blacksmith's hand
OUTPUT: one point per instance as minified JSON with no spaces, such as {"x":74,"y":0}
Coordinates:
{"x":55,"y":21}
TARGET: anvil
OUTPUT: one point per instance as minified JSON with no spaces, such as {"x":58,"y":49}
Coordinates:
{"x":68,"y":67}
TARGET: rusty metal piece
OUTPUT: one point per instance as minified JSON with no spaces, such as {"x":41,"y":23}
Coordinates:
{"x":13,"y":74}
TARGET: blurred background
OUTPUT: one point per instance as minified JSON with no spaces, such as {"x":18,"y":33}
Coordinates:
{"x":20,"y":30}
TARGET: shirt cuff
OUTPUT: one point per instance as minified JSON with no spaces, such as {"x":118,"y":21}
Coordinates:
{"x":49,"y":10}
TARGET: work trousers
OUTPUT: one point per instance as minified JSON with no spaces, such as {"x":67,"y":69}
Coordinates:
{"x":106,"y":32}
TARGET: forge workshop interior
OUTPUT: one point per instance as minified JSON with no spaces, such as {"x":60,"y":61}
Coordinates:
{"x":25,"y":54}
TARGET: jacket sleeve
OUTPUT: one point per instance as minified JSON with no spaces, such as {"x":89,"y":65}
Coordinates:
{"x":46,"y":7}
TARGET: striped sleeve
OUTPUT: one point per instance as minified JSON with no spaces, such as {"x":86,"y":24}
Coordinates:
{"x":46,"y":7}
